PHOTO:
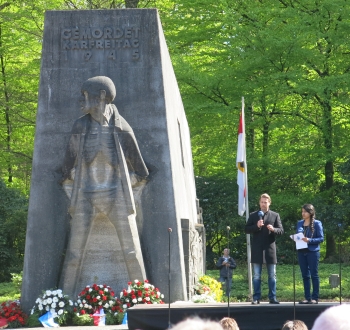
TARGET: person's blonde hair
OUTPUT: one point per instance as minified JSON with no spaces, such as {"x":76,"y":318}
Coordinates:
{"x":294,"y":325}
{"x":228,"y":323}
{"x":266,"y":196}
{"x":195,"y":323}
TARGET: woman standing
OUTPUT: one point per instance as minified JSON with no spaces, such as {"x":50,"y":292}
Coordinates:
{"x":309,"y":257}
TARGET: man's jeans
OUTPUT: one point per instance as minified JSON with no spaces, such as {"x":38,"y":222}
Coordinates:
{"x":271,"y":271}
{"x":308,"y":262}
{"x":226,"y":284}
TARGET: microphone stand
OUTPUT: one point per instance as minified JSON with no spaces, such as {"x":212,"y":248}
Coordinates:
{"x":339,"y":254}
{"x":169,"y":324}
{"x":294,"y":251}
{"x":228,"y":273}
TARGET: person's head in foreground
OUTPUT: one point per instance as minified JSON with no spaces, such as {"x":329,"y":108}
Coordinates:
{"x":229,"y":323}
{"x":334,"y":318}
{"x":197,"y":324}
{"x":294,"y":325}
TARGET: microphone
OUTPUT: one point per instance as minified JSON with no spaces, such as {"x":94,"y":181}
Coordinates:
{"x":170,"y":230}
{"x":228,"y":228}
{"x":260,"y":214}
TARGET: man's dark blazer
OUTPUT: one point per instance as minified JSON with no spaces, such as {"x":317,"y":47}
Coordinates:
{"x":263,"y":241}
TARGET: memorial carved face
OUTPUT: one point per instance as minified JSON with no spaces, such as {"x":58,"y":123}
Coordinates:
{"x":89,"y":103}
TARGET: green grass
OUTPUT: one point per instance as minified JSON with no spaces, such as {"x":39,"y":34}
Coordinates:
{"x":9,"y":291}
{"x":285,"y":291}
{"x":240,"y":288}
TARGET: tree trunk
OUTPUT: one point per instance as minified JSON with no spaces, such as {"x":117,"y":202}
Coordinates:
{"x":7,"y":114}
{"x":250,"y":136}
{"x":331,"y":249}
{"x":131,"y":3}
{"x":329,"y":171}
{"x":266,"y":128}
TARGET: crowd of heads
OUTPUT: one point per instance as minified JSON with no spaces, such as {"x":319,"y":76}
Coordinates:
{"x":333,"y":318}
{"x":197,"y":324}
{"x":227,"y":323}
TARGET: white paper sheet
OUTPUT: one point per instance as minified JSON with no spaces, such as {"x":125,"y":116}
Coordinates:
{"x":299,"y":243}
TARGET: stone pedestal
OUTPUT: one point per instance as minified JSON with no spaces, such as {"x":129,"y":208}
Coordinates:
{"x":129,"y":47}
{"x":334,"y":281}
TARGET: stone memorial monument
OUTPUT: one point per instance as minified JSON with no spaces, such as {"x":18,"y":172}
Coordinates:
{"x":96,"y":179}
{"x":112,"y":165}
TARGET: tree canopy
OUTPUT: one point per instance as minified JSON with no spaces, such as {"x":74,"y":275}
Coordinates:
{"x":13,"y":210}
{"x":287,"y":58}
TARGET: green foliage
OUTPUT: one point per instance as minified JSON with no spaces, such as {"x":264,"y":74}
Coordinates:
{"x":33,"y":321}
{"x":20,"y":42}
{"x":112,"y":319}
{"x":15,"y":325}
{"x":13,"y":214}
{"x":9,"y":291}
{"x":17,"y":280}
{"x":83,"y":320}
{"x":219,"y":199}
{"x":240,"y":287}
{"x":289,"y":61}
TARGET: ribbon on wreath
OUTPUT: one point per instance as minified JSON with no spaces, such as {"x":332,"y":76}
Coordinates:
{"x":3,"y":323}
{"x":47,"y":321}
{"x":99,"y":318}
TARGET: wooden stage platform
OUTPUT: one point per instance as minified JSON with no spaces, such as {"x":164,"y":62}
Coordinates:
{"x":248,"y":317}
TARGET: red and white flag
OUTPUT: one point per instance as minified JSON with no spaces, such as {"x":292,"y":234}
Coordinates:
{"x":241,"y":160}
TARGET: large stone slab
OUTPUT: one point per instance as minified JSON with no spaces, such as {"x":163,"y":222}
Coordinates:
{"x":129,"y":47}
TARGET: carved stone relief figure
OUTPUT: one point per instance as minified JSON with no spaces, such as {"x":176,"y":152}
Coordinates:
{"x":194,"y":256}
{"x":102,"y":165}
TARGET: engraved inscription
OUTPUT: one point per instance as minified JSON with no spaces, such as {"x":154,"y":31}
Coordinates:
{"x":111,"y":39}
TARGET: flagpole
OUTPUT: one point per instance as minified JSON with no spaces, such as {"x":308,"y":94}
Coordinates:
{"x":247,"y":207}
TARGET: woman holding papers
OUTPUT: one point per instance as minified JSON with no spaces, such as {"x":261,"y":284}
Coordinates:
{"x":309,"y":257}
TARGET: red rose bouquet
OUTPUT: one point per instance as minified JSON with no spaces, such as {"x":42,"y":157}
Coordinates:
{"x":92,"y":298}
{"x":140,"y":293}
{"x":12,"y":312}
{"x":202,"y":289}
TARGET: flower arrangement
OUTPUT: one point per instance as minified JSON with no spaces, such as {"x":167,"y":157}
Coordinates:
{"x":140,"y":293}
{"x":203,"y":298}
{"x":201,"y":288}
{"x":207,"y":286}
{"x":12,"y":312}
{"x":91,"y":299}
{"x":53,"y":301}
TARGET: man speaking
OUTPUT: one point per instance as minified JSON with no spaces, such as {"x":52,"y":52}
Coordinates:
{"x":264,"y":225}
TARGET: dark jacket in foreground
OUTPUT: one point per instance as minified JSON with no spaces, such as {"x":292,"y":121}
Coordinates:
{"x":263,"y":241}
{"x":226,"y":271}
